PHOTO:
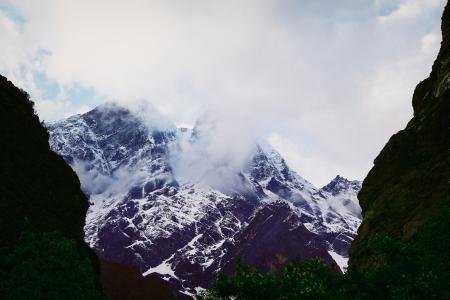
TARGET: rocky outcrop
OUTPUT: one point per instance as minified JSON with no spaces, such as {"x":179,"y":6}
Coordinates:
{"x":37,"y":186}
{"x":39,"y":192}
{"x":410,"y":179}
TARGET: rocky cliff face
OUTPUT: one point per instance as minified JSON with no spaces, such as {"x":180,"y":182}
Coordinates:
{"x":39,"y":192}
{"x":185,"y":229}
{"x":410,"y":178}
{"x":37,"y":186}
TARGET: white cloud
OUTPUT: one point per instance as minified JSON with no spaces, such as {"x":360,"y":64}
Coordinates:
{"x":58,"y":110}
{"x":333,"y":79}
{"x":430,"y":43}
{"x":411,"y":9}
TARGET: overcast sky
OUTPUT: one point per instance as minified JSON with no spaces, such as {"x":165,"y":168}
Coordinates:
{"x":327,"y":82}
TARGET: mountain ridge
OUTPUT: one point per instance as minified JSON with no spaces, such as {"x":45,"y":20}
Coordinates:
{"x":142,"y":215}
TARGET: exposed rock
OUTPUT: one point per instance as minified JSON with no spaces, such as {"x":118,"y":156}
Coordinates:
{"x":143,"y":215}
{"x":410,"y":179}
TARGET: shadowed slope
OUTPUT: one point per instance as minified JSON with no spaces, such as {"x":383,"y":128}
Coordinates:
{"x":39,"y":193}
{"x":410,"y":178}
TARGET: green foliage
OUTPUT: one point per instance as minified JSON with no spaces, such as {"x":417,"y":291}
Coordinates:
{"x":46,"y":266}
{"x":418,"y":269}
{"x":310,"y":279}
{"x":247,"y":284}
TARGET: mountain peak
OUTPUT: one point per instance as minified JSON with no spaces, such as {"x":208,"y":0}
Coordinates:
{"x":166,"y":203}
{"x":339,"y":184}
{"x":113,"y":114}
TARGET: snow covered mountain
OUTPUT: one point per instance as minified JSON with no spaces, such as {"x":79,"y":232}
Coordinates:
{"x":151,"y":208}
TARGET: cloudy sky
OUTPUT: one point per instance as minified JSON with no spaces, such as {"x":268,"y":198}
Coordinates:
{"x":327,"y":82}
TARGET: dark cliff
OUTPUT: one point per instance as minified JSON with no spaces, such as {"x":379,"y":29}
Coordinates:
{"x":42,"y":211}
{"x":410,"y":179}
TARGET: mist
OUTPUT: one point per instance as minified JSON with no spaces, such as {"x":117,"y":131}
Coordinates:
{"x":213,"y":153}
{"x":326,"y":82}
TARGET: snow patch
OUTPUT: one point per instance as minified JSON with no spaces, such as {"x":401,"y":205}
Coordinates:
{"x":341,"y":261}
{"x":164,"y":268}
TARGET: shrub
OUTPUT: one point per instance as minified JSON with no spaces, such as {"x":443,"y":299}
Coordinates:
{"x":46,"y":266}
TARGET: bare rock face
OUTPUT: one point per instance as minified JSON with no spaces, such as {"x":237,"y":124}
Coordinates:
{"x":410,"y":178}
{"x":275,"y":236}
{"x":183,"y":229}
